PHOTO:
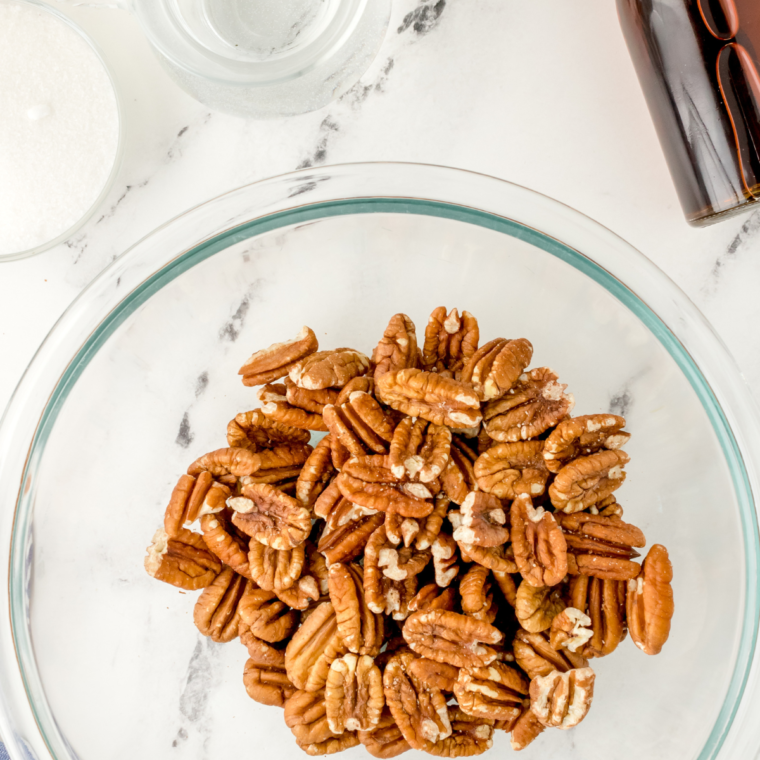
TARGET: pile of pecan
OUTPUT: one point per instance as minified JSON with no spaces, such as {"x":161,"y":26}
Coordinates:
{"x":445,"y":562}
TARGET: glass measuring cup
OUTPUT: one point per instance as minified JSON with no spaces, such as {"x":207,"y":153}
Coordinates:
{"x":262,"y":58}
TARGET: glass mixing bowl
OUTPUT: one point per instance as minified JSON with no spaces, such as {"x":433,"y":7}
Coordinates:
{"x":139,"y":377}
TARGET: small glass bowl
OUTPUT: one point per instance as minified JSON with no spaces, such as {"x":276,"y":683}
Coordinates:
{"x":71,"y":231}
{"x":139,"y":377}
{"x":205,"y":46}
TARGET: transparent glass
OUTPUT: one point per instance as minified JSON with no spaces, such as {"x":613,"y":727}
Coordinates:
{"x":698,"y":61}
{"x":71,"y":231}
{"x":262,"y":58}
{"x":99,"y":661}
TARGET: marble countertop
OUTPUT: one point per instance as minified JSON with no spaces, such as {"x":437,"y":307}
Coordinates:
{"x":542,"y":94}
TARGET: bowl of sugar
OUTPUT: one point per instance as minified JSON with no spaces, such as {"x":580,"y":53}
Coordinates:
{"x":60,"y":131}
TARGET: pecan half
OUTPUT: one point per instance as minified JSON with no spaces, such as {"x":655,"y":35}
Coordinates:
{"x":280,"y":462}
{"x":272,"y":392}
{"x":419,"y":710}
{"x":301,"y":594}
{"x":384,"y":594}
{"x":507,"y":725}
{"x":500,"y":559}
{"x":437,"y":399}
{"x":344,"y":512}
{"x":275,"y":569}
{"x":381,"y":557}
{"x":310,"y":400}
{"x":581,"y":436}
{"x":271,"y":517}
{"x":284,"y":479}
{"x":186,"y":503}
{"x":226,"y":464}
{"x":570,"y":630}
{"x":360,"y":424}
{"x":317,"y":567}
{"x":311,"y":586}
{"x":216,"y":612}
{"x":496,"y":691}
{"x":276,"y":361}
{"x":264,"y":676}
{"x":269,"y":465}
{"x":329,"y":369}
{"x":587,"y":480}
{"x":401,"y":529}
{"x":496,"y":366}
{"x":255,"y":431}
{"x":601,"y":546}
{"x":536,"y":656}
{"x":306,"y":717}
{"x":316,"y":473}
{"x":397,"y":348}
{"x":365,"y":384}
{"x":418,"y":450}
{"x":313,"y":648}
{"x":444,"y":551}
{"x":535,"y":403}
{"x":449,"y":637}
{"x":539,"y":544}
{"x":226,"y":542}
{"x":366,"y":481}
{"x":458,"y":479}
{"x":183,"y":561}
{"x":431,"y":597}
{"x":562,"y":700}
{"x":401,"y":563}
{"x":331,"y":746}
{"x":396,"y":595}
{"x":483,"y":521}
{"x":450,"y":341}
{"x":335,"y":509}
{"x":477,"y":599}
{"x":608,"y":507}
{"x":469,"y":736}
{"x":340,"y":454}
{"x":385,"y":740}
{"x":360,"y":628}
{"x":265,"y":616}
{"x":346,"y":542}
{"x":535,"y":608}
{"x":354,"y":694}
{"x":508,"y":470}
{"x":430,"y":526}
{"x":276,"y":407}
{"x":603,"y":601}
{"x":650,"y":602}
{"x":526,"y":730}
{"x":434,"y":675}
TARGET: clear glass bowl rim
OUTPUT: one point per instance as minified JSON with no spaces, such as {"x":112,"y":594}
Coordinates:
{"x":328,"y":191}
{"x":71,"y":231}
{"x":172,"y":39}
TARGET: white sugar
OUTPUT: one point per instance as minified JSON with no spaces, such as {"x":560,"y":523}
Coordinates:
{"x":59,"y":127}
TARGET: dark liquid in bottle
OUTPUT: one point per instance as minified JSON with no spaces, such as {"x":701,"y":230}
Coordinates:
{"x":699,"y":66}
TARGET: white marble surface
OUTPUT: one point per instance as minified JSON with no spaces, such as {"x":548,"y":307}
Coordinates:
{"x":540,"y":93}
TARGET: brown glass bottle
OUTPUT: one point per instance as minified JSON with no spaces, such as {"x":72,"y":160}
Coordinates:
{"x":699,"y":66}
